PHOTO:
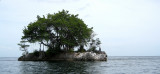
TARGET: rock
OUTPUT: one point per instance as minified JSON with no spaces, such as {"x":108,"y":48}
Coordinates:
{"x":76,"y":56}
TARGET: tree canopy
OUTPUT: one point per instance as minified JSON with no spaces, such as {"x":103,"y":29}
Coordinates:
{"x":23,"y":47}
{"x":59,"y":31}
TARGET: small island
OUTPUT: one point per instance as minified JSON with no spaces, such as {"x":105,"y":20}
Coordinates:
{"x":66,"y":37}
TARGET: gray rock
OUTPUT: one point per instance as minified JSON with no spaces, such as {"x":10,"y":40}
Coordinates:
{"x":75,"y":56}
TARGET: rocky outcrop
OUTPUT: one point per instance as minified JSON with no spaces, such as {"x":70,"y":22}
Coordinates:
{"x":75,"y":56}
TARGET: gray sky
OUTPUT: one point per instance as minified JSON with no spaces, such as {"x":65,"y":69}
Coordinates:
{"x":125,"y":27}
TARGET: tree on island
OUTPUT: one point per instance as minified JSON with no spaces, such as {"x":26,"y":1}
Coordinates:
{"x":23,"y":47}
{"x":60,"y":32}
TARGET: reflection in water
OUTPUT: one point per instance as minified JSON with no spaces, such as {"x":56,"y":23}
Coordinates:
{"x":55,"y":67}
{"x":114,"y":65}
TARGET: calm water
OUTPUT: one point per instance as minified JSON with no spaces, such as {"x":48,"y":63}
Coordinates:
{"x":114,"y":65}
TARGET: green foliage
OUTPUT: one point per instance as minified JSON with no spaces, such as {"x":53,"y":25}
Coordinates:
{"x":81,"y":49}
{"x":36,"y":53}
{"x":94,"y":43}
{"x":98,"y":42}
{"x":22,"y":45}
{"x":71,"y":50}
{"x":51,"y":52}
{"x":59,"y":31}
{"x":93,"y":48}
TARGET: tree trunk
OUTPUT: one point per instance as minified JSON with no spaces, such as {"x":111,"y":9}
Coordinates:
{"x":40,"y":47}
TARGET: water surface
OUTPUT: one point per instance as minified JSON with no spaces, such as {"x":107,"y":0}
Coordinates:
{"x":114,"y":65}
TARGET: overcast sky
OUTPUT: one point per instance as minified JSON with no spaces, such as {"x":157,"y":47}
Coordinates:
{"x":125,"y":27}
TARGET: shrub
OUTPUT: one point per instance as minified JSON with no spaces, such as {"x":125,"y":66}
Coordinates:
{"x":51,"y":52}
{"x":71,"y":50}
{"x":36,"y":53}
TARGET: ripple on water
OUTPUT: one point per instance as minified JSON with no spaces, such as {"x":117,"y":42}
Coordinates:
{"x":114,"y":65}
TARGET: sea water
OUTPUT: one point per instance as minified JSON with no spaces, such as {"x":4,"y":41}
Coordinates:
{"x":114,"y":65}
